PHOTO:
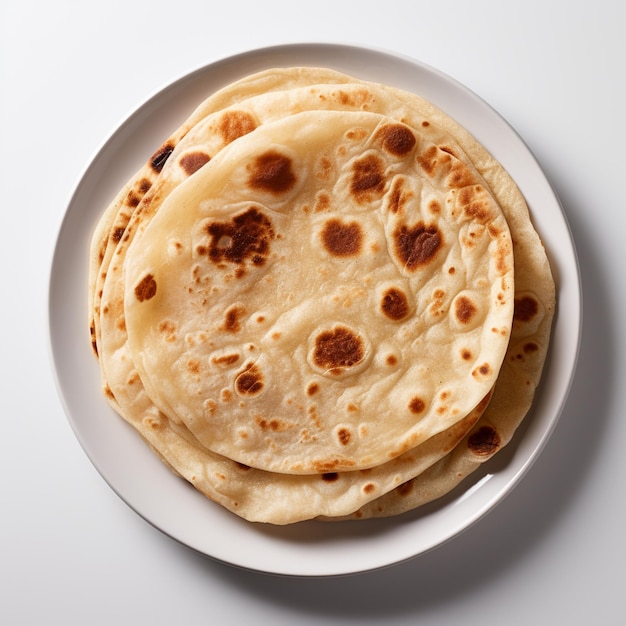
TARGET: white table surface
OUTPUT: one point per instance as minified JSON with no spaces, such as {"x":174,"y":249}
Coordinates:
{"x":551,"y":553}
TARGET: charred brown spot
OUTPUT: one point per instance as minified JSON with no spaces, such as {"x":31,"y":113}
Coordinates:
{"x":395,"y":304}
{"x":158,"y":159}
{"x":146,"y":289}
{"x":417,"y":245}
{"x":392,"y":360}
{"x":368,"y":178}
{"x":428,"y":160}
{"x":273,"y":172}
{"x":484,"y":441}
{"x":417,"y":405}
{"x":193,"y":365}
{"x":464,"y":309}
{"x":344,"y":436}
{"x":235,"y":124}
{"x":191,"y":162}
{"x":397,"y":139}
{"x":459,"y":176}
{"x":476,"y":203}
{"x":369,"y":488}
{"x":312,"y":389}
{"x":117,"y":234}
{"x":330,"y":477}
{"x":227,"y":359}
{"x":398,"y":197}
{"x":466,"y":355}
{"x":232,"y":317}
{"x":530,"y":347}
{"x":250,"y":381}
{"x":246,"y":237}
{"x":525,"y":309}
{"x":338,"y":348}
{"x":405,"y":488}
{"x":242,"y":466}
{"x":342,"y":239}
{"x":482,"y":370}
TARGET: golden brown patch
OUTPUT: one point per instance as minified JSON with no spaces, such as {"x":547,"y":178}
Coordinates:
{"x":395,"y":304}
{"x":273,"y":172}
{"x":232,"y":319}
{"x":227,"y":359}
{"x":312,"y":389}
{"x":476,"y":203}
{"x":249,"y":382}
{"x":342,"y":239}
{"x":344,"y":436}
{"x":484,"y":441}
{"x":235,"y":124}
{"x":246,"y":237}
{"x":464,"y":309}
{"x":158,"y":159}
{"x":429,"y":160}
{"x":146,"y":288}
{"x":482,"y":371}
{"x":417,"y":405}
{"x":369,"y":488}
{"x":405,"y":489}
{"x":396,"y":139}
{"x":337,"y":349}
{"x":417,"y":245}
{"x":368,"y":179}
{"x":191,"y":162}
{"x":398,"y":196}
{"x":525,"y":309}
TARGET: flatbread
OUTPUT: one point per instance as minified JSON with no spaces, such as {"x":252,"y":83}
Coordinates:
{"x":301,"y":335}
{"x":257,"y":494}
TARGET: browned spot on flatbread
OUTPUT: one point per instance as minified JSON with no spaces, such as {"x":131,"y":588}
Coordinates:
{"x":235,"y":124}
{"x":395,"y":304}
{"x":417,"y":405}
{"x":273,"y":172}
{"x":330,"y":477}
{"x":245,"y":238}
{"x":482,"y":371}
{"x":146,"y":288}
{"x":397,"y":139}
{"x":250,"y":381}
{"x":344,"y":435}
{"x":417,"y":245}
{"x":525,"y":309}
{"x":158,"y":159}
{"x":464,"y":309}
{"x":476,"y":203}
{"x":338,"y":349}
{"x":398,"y":196}
{"x":342,"y":239}
{"x":232,"y":319}
{"x":484,"y":441}
{"x":368,"y":179}
{"x":117,"y":233}
{"x":312,"y":389}
{"x":191,"y":162}
{"x":226,"y":359}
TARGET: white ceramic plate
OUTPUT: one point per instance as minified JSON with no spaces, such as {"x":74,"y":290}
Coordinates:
{"x":140,"y":479}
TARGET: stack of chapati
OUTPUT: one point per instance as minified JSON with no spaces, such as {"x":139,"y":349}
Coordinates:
{"x":320,"y":298}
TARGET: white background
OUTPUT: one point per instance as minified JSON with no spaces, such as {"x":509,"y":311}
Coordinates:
{"x":72,"y":552}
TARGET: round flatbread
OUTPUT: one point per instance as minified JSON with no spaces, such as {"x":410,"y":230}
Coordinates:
{"x":312,"y":301}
